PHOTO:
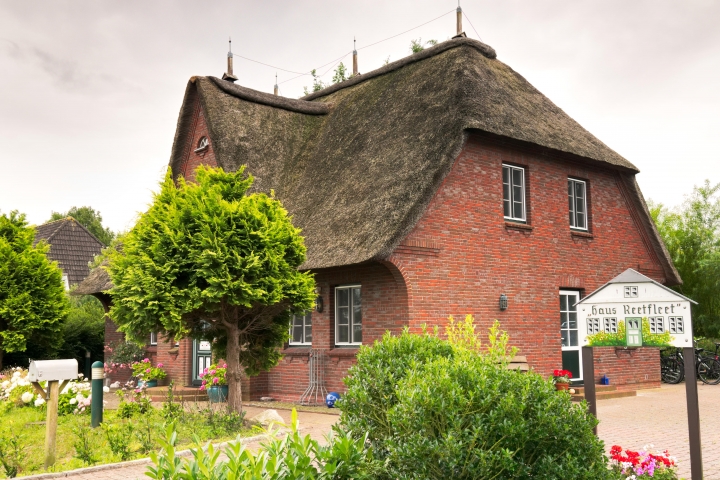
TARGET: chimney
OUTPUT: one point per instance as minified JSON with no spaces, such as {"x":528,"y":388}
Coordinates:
{"x":229,"y":74}
{"x":275,"y":90}
{"x":459,"y":20}
{"x":355,"y":65}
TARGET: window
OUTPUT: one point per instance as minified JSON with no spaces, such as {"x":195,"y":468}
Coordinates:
{"x":348,"y":315}
{"x":676,"y":325}
{"x":153,"y":338}
{"x":656,"y":325}
{"x":578,"y":204}
{"x":631,"y":292}
{"x":202,"y":144}
{"x":301,"y":329}
{"x":514,"y":193}
{"x":593,"y":325}
{"x":610,"y":325}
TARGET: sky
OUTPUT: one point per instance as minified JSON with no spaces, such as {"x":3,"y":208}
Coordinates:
{"x":90,"y":91}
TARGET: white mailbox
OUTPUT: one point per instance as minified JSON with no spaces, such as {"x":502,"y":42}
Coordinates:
{"x":51,"y":370}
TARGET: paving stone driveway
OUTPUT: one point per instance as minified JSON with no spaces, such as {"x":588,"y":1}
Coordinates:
{"x":659,"y":417}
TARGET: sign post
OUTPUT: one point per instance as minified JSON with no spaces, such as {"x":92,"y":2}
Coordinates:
{"x":631,"y":311}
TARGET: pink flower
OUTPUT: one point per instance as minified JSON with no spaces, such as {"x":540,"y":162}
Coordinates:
{"x":212,"y":372}
{"x":202,"y":387}
{"x":146,"y":360}
{"x":160,"y":365}
{"x":224,"y":365}
{"x":147,"y":370}
{"x":215,"y":380}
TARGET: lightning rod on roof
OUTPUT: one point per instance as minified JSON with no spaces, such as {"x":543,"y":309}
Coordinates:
{"x":229,"y":74}
{"x":275,"y":90}
{"x":355,"y":59}
{"x":459,"y":19}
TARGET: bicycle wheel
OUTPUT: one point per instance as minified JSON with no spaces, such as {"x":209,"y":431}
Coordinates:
{"x":672,"y":370}
{"x":709,"y":371}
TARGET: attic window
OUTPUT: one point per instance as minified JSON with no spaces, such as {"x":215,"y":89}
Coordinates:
{"x":203,"y":144}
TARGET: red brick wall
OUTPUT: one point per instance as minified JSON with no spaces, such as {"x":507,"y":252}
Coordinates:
{"x":462,"y":254}
{"x":384,"y":307}
{"x":631,"y":368}
{"x":194,"y":159}
{"x":111,"y":337}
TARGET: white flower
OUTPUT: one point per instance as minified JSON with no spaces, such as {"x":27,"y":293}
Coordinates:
{"x":106,"y":389}
{"x":73,"y":401}
{"x":27,"y":397}
{"x":80,"y":375}
{"x":16,"y":375}
{"x":39,"y":401}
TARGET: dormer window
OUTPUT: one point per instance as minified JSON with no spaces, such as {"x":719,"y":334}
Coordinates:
{"x":203,"y":144}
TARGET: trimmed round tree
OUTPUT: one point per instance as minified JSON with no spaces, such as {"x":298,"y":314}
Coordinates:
{"x":210,"y":260}
{"x":33,"y":303}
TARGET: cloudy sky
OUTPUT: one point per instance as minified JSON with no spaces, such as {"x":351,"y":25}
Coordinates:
{"x":90,"y":90}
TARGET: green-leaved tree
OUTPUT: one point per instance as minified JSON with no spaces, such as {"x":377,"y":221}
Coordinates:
{"x":692,"y":236}
{"x":33,"y":303}
{"x":210,"y":260}
{"x":90,"y":219}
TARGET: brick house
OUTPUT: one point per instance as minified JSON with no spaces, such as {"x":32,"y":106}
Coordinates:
{"x":431,"y":187}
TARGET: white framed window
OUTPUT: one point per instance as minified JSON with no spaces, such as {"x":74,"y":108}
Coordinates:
{"x":593,"y":325}
{"x":514,"y":193}
{"x":631,"y":291}
{"x":676,"y":325}
{"x":203,"y":143}
{"x":610,"y":325}
{"x":657,"y":324}
{"x":301,"y":329}
{"x":153,"y":338}
{"x":577,"y":200}
{"x":348,"y":315}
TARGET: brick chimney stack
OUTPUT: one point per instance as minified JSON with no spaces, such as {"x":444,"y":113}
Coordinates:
{"x":229,"y":74}
{"x":355,"y":64}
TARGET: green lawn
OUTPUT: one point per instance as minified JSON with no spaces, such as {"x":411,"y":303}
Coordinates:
{"x":26,"y":424}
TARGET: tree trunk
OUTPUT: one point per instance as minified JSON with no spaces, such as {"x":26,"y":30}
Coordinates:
{"x":234,"y":370}
{"x":1,"y":359}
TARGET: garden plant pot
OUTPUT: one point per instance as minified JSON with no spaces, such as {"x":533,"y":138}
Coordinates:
{"x":217,"y":393}
{"x":562,"y":386}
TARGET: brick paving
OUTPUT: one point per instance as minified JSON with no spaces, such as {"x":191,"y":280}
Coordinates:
{"x":659,"y":417}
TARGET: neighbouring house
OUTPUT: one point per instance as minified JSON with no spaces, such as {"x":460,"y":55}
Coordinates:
{"x":440,"y":184}
{"x":72,"y":246}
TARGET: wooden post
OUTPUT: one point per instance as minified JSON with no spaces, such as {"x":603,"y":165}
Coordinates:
{"x":51,"y":421}
{"x":588,"y":362}
{"x":693,"y":412}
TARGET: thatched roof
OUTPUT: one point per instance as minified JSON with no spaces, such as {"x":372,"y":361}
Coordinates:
{"x":71,"y":245}
{"x":97,"y":282}
{"x":357,"y":163}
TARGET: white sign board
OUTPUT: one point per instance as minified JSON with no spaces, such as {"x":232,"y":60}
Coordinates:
{"x":633,"y":310}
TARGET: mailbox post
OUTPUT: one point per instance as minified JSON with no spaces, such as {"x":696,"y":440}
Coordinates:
{"x":54,"y":372}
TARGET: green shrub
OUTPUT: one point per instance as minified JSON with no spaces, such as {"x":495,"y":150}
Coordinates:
{"x":119,"y":436}
{"x":372,"y":381}
{"x":436,"y":409}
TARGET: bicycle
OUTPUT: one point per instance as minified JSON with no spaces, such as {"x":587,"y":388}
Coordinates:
{"x":672,"y":368}
{"x":707,"y":367}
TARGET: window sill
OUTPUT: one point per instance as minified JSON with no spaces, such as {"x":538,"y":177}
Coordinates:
{"x":297,"y":351}
{"x":340,"y":352}
{"x":518,"y":226}
{"x":581,"y":234}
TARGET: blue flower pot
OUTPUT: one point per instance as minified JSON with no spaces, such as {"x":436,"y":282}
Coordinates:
{"x":217,"y":393}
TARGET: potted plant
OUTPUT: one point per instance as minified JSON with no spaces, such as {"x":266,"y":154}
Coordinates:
{"x":215,"y":383}
{"x":562,"y":379}
{"x":146,"y":374}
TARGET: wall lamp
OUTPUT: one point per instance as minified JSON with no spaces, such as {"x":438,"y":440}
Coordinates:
{"x":503,"y":301}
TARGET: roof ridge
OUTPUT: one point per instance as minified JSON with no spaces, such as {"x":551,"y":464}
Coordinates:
{"x":483,"y":48}
{"x":88,"y":231}
{"x":62,"y":222}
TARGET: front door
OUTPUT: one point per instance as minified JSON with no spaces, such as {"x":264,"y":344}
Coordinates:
{"x":571,"y":350}
{"x":201,"y":359}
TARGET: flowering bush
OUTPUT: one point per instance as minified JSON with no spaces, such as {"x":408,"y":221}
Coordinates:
{"x":145,"y":371}
{"x":562,"y":376}
{"x":213,"y":375}
{"x":121,"y":355}
{"x":16,"y":389}
{"x":643,"y":464}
